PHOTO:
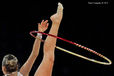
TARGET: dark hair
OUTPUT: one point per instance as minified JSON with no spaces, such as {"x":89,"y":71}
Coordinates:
{"x":10,"y":62}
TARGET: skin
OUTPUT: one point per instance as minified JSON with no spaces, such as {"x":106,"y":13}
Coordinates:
{"x":25,"y":69}
{"x":46,"y":66}
{"x":29,"y":63}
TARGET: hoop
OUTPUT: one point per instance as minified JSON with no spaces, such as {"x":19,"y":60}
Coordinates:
{"x":76,"y":44}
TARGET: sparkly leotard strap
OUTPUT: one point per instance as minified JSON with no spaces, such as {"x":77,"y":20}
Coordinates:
{"x":18,"y":74}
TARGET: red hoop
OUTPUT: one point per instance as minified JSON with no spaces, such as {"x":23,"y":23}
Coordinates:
{"x":83,"y":47}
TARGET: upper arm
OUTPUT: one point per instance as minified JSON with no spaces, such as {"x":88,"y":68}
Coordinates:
{"x":25,"y":69}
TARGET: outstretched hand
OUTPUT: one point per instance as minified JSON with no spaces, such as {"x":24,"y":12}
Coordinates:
{"x":57,"y":17}
{"x":42,"y":27}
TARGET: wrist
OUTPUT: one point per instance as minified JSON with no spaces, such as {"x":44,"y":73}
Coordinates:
{"x":39,"y":35}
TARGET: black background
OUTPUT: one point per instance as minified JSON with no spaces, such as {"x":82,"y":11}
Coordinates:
{"x":88,"y":24}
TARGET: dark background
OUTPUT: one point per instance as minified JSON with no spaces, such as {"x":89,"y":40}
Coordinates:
{"x":88,"y":24}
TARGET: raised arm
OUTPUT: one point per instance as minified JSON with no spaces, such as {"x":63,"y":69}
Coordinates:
{"x":46,"y":66}
{"x":25,"y":69}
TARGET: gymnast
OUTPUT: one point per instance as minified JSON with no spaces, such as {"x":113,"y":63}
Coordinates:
{"x":10,"y":62}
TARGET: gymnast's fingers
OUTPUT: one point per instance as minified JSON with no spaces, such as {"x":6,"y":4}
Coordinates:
{"x":45,"y":22}
{"x":42,"y":22}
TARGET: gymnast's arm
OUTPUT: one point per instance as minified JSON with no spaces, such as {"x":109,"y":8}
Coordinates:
{"x":46,"y":66}
{"x":25,"y":69}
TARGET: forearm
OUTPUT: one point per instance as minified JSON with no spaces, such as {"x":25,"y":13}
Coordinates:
{"x":35,"y":51}
{"x":36,"y":47}
{"x":25,"y":69}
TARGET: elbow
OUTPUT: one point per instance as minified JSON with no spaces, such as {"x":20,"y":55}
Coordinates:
{"x":34,"y":55}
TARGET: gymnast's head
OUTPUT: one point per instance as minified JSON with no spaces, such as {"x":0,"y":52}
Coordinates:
{"x":9,"y":64}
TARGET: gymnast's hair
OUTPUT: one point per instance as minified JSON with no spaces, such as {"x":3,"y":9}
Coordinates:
{"x":10,"y":62}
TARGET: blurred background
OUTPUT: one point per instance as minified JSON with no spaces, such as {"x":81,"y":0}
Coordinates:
{"x":89,"y":24}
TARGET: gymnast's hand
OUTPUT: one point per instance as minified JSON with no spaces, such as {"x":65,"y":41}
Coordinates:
{"x":43,"y":26}
{"x":57,"y":17}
